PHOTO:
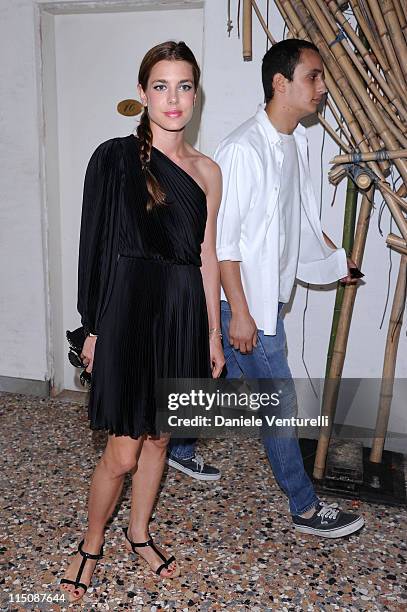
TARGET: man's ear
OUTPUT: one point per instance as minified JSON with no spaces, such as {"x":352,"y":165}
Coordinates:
{"x":279,"y":83}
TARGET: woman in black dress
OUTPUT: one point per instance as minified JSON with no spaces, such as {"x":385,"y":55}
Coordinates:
{"x":150,"y":310}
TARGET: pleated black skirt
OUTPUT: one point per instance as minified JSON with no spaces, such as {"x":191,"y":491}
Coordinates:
{"x":155,"y":326}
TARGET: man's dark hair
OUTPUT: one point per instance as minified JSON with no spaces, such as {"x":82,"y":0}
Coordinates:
{"x":282,"y":58}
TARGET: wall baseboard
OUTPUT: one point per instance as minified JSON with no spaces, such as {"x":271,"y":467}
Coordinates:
{"x":40,"y":388}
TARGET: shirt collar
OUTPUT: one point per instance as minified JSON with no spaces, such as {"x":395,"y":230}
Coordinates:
{"x":272,"y":134}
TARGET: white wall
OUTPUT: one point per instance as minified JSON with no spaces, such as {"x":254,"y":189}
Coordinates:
{"x":232,"y":90}
{"x":22,"y":298}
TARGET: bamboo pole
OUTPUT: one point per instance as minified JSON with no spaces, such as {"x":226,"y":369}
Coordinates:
{"x":396,"y":21}
{"x":390,"y":197}
{"x":399,"y":134}
{"x":364,"y":157}
{"x":401,"y":17}
{"x":403,"y":8}
{"x":247,"y":31}
{"x":347,"y":244}
{"x":389,"y":363}
{"x":336,"y":174}
{"x":287,"y":21}
{"x":397,"y":243}
{"x":363,"y":180}
{"x":331,"y":386}
{"x":394,"y":194}
{"x":263,"y":23}
{"x":288,"y":13}
{"x":402,"y":191}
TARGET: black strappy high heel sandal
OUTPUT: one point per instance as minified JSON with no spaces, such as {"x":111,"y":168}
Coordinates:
{"x":165,"y":562}
{"x":77,"y":584}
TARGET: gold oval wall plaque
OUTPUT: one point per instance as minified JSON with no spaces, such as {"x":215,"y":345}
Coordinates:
{"x":129,"y":108}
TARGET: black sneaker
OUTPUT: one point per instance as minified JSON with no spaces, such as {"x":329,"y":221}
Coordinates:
{"x":328,"y":521}
{"x":195,"y":467}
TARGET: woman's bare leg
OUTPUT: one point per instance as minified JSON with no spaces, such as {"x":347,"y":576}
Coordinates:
{"x":146,"y":481}
{"x":120,"y":456}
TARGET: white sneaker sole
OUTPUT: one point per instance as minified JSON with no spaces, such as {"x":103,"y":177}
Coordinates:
{"x":196,"y":475}
{"x":333,"y":533}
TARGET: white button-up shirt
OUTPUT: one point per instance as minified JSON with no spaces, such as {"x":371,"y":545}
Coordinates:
{"x":248,"y":229}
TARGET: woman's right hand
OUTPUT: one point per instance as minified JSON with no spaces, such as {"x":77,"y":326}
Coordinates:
{"x":88,"y":352}
{"x":217,"y":355}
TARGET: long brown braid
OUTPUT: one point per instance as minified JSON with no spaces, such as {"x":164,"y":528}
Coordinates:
{"x":145,"y":137}
{"x":169,"y":50}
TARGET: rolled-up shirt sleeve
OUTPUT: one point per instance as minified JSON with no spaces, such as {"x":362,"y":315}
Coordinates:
{"x":237,"y":194}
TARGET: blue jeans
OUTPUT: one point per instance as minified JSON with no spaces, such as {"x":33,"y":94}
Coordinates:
{"x":182,"y":448}
{"x":268,"y":360}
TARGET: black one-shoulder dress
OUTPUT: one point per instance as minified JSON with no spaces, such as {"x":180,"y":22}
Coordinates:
{"x":140,"y":285}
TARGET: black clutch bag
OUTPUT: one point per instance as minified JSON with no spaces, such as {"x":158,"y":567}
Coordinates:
{"x":76,"y":340}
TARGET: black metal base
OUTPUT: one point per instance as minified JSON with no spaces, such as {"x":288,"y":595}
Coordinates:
{"x":383,"y":483}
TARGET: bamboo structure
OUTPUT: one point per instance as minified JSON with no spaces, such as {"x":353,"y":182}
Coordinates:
{"x":369,"y":96}
{"x":366,"y":77}
{"x":337,"y":358}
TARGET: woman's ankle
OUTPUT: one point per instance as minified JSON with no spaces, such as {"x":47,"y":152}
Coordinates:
{"x":92,"y":542}
{"x":138,"y":534}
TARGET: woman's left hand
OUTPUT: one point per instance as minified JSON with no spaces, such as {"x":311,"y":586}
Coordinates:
{"x":217,"y":356}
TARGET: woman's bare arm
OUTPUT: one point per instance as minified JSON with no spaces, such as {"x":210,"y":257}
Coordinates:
{"x":210,"y":266}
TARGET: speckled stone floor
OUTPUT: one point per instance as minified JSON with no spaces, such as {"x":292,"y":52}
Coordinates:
{"x":233,"y":538}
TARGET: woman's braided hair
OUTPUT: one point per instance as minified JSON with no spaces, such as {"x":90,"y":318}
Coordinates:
{"x":169,"y":50}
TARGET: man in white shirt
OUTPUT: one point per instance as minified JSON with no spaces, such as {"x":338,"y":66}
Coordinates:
{"x":269,"y":233}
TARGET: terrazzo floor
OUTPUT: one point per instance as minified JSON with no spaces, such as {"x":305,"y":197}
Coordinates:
{"x":232,"y":538}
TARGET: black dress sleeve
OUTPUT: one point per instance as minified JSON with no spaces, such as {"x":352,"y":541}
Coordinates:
{"x":98,"y":247}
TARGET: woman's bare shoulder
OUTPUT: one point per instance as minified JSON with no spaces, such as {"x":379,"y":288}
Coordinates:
{"x":206,"y":166}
